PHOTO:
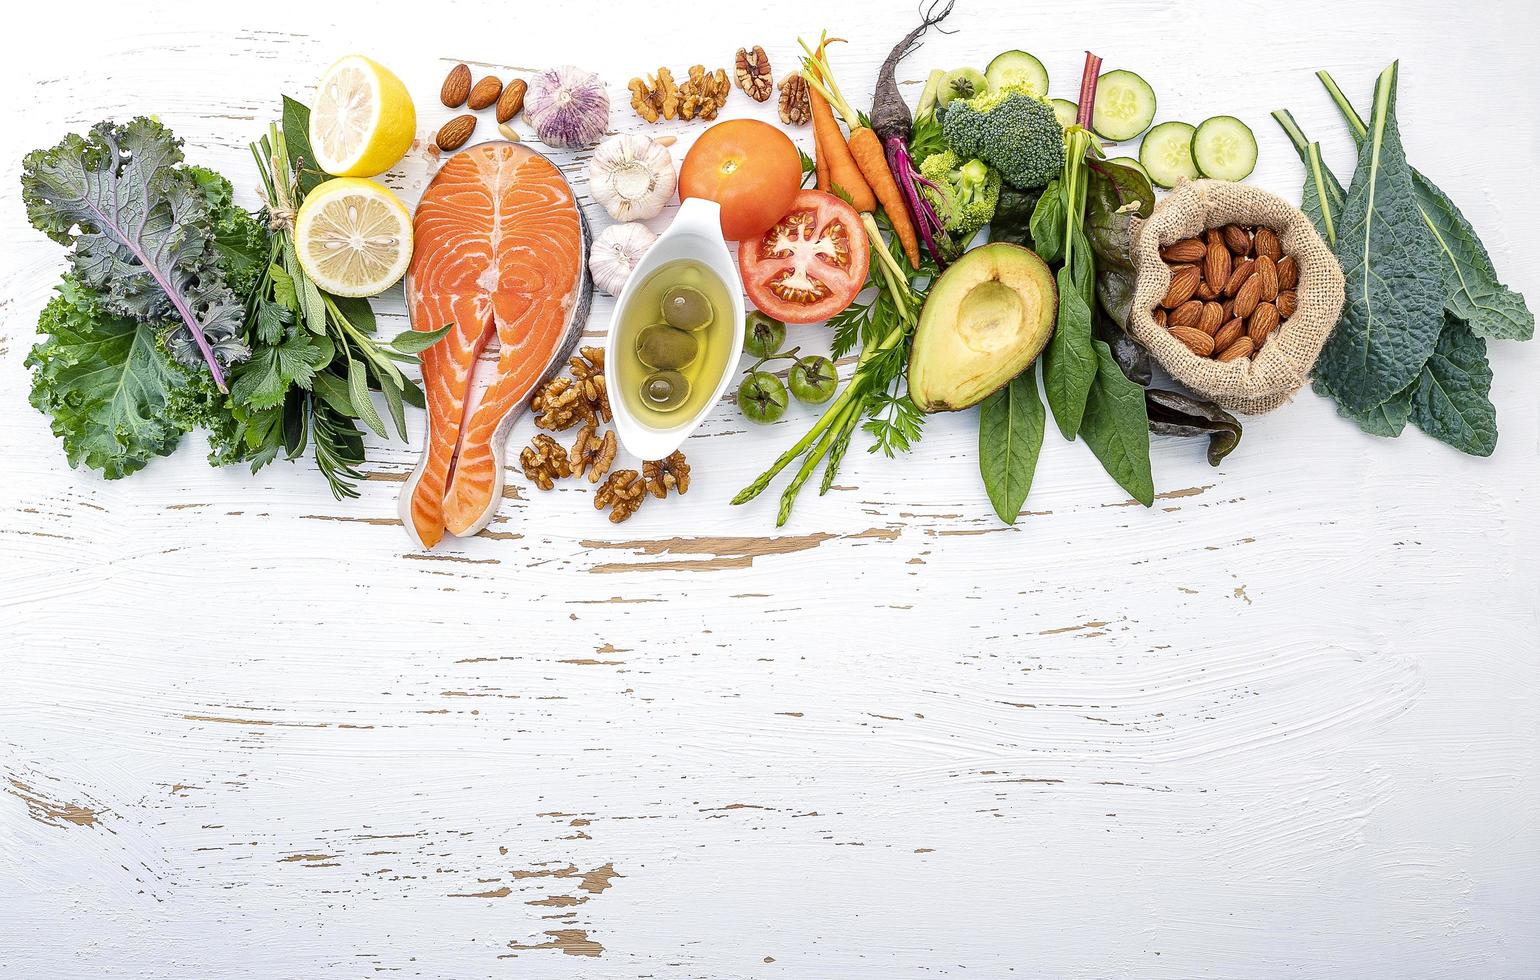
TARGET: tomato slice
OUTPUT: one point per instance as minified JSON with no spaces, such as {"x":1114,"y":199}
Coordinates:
{"x":810,"y":264}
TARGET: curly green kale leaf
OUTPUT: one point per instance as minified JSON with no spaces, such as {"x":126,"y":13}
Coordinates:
{"x":114,"y":397}
{"x":141,"y":231}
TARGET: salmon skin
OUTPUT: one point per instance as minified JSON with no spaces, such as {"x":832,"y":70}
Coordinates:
{"x":501,"y":254}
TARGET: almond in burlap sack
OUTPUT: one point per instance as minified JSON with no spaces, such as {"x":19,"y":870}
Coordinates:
{"x":1260,"y":383}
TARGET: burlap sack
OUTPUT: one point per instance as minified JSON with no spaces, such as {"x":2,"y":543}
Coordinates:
{"x":1248,"y":385}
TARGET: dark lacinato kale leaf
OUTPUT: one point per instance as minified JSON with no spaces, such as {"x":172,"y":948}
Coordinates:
{"x":141,"y":228}
{"x":1452,"y":400}
{"x":1394,"y":311}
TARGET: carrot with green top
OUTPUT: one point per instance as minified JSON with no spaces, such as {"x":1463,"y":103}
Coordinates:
{"x":841,"y":169}
{"x":864,"y":147}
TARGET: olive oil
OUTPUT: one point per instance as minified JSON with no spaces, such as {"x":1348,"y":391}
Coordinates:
{"x":675,"y":338}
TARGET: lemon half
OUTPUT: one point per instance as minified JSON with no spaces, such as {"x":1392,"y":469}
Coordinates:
{"x":353,"y":237}
{"x":363,"y":120}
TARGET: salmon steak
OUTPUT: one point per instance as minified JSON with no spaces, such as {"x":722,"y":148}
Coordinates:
{"x":501,"y":255}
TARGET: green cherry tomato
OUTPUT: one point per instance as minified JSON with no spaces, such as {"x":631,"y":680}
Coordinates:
{"x":762,"y":397}
{"x":813,"y":380}
{"x":763,"y":335}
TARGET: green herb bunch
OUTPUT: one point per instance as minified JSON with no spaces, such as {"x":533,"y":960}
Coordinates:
{"x":315,"y":358}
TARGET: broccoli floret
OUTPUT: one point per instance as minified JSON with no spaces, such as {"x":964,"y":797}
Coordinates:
{"x":964,"y":195}
{"x":1010,"y":129}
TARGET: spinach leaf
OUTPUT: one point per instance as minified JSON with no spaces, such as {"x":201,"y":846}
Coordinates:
{"x":1010,"y":438}
{"x":1175,"y":414}
{"x":1047,"y":225}
{"x":1116,"y":427}
{"x":1394,"y":310}
{"x":1451,"y":402}
{"x":1012,"y":221}
{"x":1128,"y":352}
{"x":1069,"y":363}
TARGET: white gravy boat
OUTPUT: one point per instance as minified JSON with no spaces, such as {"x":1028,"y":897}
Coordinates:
{"x":696,"y":233}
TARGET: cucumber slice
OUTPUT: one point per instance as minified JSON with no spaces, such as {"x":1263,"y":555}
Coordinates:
{"x":1018,"y":67}
{"x":1125,"y":105}
{"x":962,"y":83}
{"x":1066,"y":111}
{"x":1167,"y":153}
{"x":1132,"y":164}
{"x":1223,"y":147}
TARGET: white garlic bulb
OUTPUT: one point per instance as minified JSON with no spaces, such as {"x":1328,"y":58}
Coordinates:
{"x":616,"y":252}
{"x":632,"y":176}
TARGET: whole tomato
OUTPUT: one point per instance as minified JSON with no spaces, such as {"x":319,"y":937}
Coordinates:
{"x":750,"y":168}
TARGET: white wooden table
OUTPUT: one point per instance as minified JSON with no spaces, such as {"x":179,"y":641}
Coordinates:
{"x":1285,"y":723}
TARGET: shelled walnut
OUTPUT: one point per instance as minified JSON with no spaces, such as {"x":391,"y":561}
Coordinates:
{"x":703,"y":93}
{"x":669,"y":473}
{"x":796,"y":109}
{"x":753,"y":73}
{"x":544,"y":462}
{"x":655,"y":97}
{"x":623,"y":492}
{"x":592,"y":453}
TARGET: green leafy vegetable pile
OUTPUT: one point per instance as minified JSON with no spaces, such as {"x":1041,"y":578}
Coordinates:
{"x":1422,"y":295}
{"x":183,"y":311}
{"x":1088,"y":392}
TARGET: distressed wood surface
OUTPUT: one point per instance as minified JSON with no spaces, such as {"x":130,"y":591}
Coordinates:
{"x":1285,"y":723}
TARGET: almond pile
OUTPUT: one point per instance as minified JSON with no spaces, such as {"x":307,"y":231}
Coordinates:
{"x":1230,"y":290}
{"x":458,"y":91}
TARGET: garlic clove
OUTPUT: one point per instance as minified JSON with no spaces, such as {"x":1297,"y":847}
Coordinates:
{"x":632,"y":176}
{"x":615,"y":254}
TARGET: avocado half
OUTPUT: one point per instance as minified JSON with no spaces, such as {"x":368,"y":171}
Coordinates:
{"x":986,"y":318}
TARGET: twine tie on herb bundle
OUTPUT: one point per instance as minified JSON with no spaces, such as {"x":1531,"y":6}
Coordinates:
{"x":280,"y":207}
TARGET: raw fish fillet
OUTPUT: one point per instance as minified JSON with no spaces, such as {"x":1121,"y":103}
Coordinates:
{"x":501,"y":252}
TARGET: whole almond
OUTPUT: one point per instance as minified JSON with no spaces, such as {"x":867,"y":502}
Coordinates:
{"x":1288,"y":272}
{"x":1237,"y":240}
{"x":1184,"y":282}
{"x":1267,"y":269}
{"x":1267,"y":244}
{"x":1241,"y":348}
{"x":1196,"y":341}
{"x":1288,"y":302}
{"x":457,"y":87}
{"x":1207,"y":291}
{"x":1229,"y":333}
{"x":455,"y":132}
{"x":1228,"y":309}
{"x":1186,"y":315}
{"x":1186,"y":250}
{"x":1251,"y":293}
{"x":1216,"y":268}
{"x":1212,"y":318}
{"x":1239,"y":275}
{"x":1264,"y":320}
{"x":1159,"y":316}
{"x":511,"y":101}
{"x":485,"y":93}
{"x":1214,"y":236}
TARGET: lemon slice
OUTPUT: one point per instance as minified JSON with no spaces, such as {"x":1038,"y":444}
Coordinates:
{"x":353,"y":237}
{"x":363,"y":120}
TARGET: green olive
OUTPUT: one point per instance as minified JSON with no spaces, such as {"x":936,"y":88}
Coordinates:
{"x":686,"y":307}
{"x":762,"y":397}
{"x":763,"y":335}
{"x":665,"y":348}
{"x":813,"y":380}
{"x":664,"y":391}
